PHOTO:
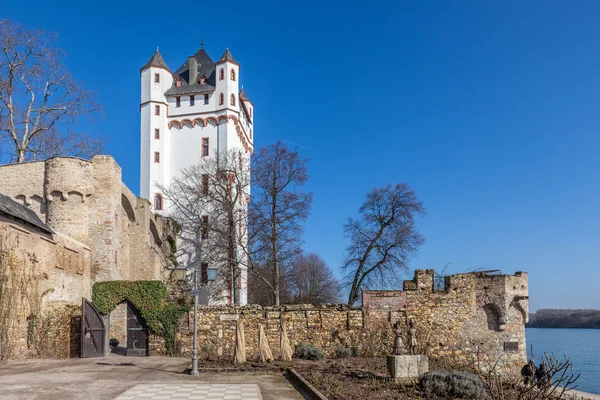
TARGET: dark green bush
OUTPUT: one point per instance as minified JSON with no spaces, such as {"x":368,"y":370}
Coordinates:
{"x":309,"y":351}
{"x":455,"y":385}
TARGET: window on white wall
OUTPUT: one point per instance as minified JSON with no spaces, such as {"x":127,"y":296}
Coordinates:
{"x":205,"y":147}
{"x":156,"y":78}
{"x":156,"y":110}
{"x":158,"y":202}
{"x":192,"y":100}
{"x":177,"y":101}
{"x":205,"y":99}
{"x":232,"y":74}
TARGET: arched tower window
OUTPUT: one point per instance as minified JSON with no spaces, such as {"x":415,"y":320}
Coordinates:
{"x":158,"y":201}
{"x":221,"y":74}
{"x":232,"y":75}
{"x":232,"y":101}
{"x":221,"y":99}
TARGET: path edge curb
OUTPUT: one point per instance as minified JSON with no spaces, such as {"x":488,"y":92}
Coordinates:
{"x":306,"y":385}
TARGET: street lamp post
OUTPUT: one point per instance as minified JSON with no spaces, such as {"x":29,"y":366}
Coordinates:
{"x":194,"y":370}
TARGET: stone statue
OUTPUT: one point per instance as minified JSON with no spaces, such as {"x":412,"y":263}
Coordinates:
{"x":412,"y":337}
{"x":399,"y":341}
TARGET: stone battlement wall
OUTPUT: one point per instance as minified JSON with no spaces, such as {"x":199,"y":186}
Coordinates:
{"x":87,"y":201}
{"x":476,"y":319}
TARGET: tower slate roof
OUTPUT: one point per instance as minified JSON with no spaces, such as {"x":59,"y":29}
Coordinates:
{"x":156,"y":61}
{"x":11,"y":207}
{"x":206,"y":67}
{"x":227,"y":57}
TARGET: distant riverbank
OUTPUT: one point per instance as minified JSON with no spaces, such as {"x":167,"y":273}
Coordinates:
{"x":567,"y":318}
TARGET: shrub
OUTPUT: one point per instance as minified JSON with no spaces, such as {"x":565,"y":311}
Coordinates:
{"x":455,"y":385}
{"x":341,"y":351}
{"x":308,"y":351}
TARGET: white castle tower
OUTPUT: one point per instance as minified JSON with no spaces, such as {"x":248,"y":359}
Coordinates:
{"x":197,"y":111}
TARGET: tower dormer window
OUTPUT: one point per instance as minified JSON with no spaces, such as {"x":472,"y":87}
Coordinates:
{"x":221,"y":74}
{"x":158,"y":201}
{"x":232,"y":74}
{"x":177,"y":101}
{"x":232,"y":100}
{"x":156,"y":157}
{"x":157,"y":133}
{"x":205,"y":99}
{"x":156,"y":78}
{"x":179,"y":82}
{"x":156,"y":110}
{"x":221,"y":99}
{"x":192,"y":100}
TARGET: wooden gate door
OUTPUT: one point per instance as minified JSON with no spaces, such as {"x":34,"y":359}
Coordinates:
{"x":137,"y":333}
{"x":92,"y":331}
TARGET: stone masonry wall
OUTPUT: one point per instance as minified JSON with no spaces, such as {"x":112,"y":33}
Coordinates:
{"x":102,"y":231}
{"x":366,"y":333}
{"x":87,"y":201}
{"x":477,"y":319}
{"x":52,"y":273}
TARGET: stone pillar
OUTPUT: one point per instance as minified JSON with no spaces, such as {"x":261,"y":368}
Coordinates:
{"x":405,"y":368}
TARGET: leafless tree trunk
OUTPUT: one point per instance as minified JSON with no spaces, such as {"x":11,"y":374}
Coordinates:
{"x":382,"y":237}
{"x":276,"y":212}
{"x":209,"y":201}
{"x":39,"y":100}
{"x":312,"y":282}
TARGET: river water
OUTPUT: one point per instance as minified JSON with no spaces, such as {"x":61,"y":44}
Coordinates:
{"x":582,"y":346}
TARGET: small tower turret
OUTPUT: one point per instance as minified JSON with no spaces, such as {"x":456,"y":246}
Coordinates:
{"x":228,"y":72}
{"x":156,"y":78}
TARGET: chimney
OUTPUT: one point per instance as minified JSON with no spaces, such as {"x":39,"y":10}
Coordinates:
{"x":193,"y":66}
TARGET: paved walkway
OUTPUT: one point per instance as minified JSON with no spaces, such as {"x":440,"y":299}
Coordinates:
{"x":148,"y":378}
{"x":192,"y":392}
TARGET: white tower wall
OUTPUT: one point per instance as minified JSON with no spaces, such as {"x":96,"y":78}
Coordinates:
{"x":183,"y":128}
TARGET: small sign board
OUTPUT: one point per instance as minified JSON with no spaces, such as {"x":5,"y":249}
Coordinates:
{"x":193,"y":292}
{"x":511,"y":346}
{"x":229,"y":317}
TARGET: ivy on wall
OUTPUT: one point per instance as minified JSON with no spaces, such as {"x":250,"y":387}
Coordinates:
{"x":149,"y":297}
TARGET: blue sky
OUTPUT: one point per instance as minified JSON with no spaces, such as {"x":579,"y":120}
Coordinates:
{"x":489,"y":110}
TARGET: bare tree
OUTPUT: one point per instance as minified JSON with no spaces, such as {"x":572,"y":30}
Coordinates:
{"x":312,"y":281}
{"x":382,"y":237}
{"x":276,"y":212}
{"x":209,"y":201}
{"x":259,"y":286}
{"x":39,"y":100}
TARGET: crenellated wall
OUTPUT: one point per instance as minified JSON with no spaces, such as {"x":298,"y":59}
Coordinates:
{"x":476,"y":319}
{"x":87,"y":201}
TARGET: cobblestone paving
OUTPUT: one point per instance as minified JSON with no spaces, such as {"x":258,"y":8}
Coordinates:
{"x":192,"y":392}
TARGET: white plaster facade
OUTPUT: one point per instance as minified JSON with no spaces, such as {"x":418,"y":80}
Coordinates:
{"x":180,"y":111}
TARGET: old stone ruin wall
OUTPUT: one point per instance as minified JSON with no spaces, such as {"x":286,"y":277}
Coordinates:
{"x":474,"y":320}
{"x":87,"y":201}
{"x":43,"y":278}
{"x":102,"y":231}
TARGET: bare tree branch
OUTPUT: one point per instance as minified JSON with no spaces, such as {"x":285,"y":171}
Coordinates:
{"x":276,"y":212}
{"x":40,"y":103}
{"x":382,"y":237}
